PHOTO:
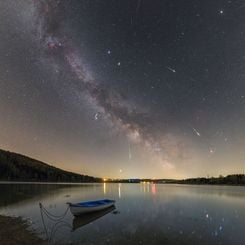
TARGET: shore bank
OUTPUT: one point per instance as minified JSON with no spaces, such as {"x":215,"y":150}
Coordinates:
{"x":15,"y":231}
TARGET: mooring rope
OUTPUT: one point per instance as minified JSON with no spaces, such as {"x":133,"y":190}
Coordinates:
{"x":55,"y":218}
{"x":44,"y":226}
{"x":52,"y":216}
{"x":56,"y":227}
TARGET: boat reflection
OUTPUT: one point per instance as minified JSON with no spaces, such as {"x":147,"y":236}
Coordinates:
{"x":90,"y":217}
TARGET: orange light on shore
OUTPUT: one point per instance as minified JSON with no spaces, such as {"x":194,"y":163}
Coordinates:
{"x":104,"y":179}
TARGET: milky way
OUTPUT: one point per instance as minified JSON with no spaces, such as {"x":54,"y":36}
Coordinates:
{"x":136,"y":125}
{"x":147,"y":89}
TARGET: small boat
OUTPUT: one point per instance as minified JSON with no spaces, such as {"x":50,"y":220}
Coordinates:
{"x":91,"y":206}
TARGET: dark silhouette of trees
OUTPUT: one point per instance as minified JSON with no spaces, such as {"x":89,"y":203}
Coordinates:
{"x":16,"y":167}
{"x":235,"y":179}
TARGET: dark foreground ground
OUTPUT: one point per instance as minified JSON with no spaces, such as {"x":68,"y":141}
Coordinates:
{"x":15,"y":231}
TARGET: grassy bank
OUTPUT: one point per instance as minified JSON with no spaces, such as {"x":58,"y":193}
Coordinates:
{"x":15,"y":231}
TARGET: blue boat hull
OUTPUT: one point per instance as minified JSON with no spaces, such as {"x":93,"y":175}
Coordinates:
{"x":88,"y":207}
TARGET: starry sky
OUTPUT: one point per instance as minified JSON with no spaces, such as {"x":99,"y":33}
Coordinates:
{"x":126,"y":88}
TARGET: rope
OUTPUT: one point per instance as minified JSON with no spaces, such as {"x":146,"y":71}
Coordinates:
{"x":56,"y":226}
{"x":52,"y":216}
{"x":44,"y":226}
{"x":55,"y":218}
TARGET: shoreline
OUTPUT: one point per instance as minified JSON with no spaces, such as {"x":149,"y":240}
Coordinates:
{"x":48,"y":183}
{"x":119,"y":182}
{"x":15,"y":231}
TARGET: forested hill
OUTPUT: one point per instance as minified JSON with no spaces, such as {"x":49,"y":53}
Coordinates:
{"x":16,"y":167}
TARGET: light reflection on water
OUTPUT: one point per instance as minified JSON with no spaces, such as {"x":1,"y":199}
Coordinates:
{"x":145,"y":213}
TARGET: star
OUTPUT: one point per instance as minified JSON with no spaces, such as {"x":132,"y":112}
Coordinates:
{"x":211,"y":151}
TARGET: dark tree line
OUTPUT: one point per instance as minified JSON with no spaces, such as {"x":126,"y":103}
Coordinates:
{"x":235,"y":179}
{"x":16,"y":167}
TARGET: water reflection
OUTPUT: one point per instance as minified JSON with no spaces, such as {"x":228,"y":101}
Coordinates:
{"x":149,"y":213}
{"x":148,"y":187}
{"x":119,"y":190}
{"x":85,"y":219}
{"x":153,"y":189}
{"x":15,"y":193}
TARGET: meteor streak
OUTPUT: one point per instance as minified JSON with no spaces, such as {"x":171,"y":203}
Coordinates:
{"x":196,"y":132}
{"x":171,"y":69}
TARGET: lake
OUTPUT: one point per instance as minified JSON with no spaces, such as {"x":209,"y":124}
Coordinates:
{"x":145,"y":213}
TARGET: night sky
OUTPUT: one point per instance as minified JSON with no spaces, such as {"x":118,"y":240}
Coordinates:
{"x":126,"y":88}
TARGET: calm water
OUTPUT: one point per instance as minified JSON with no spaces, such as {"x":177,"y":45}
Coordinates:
{"x":144,"y":214}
